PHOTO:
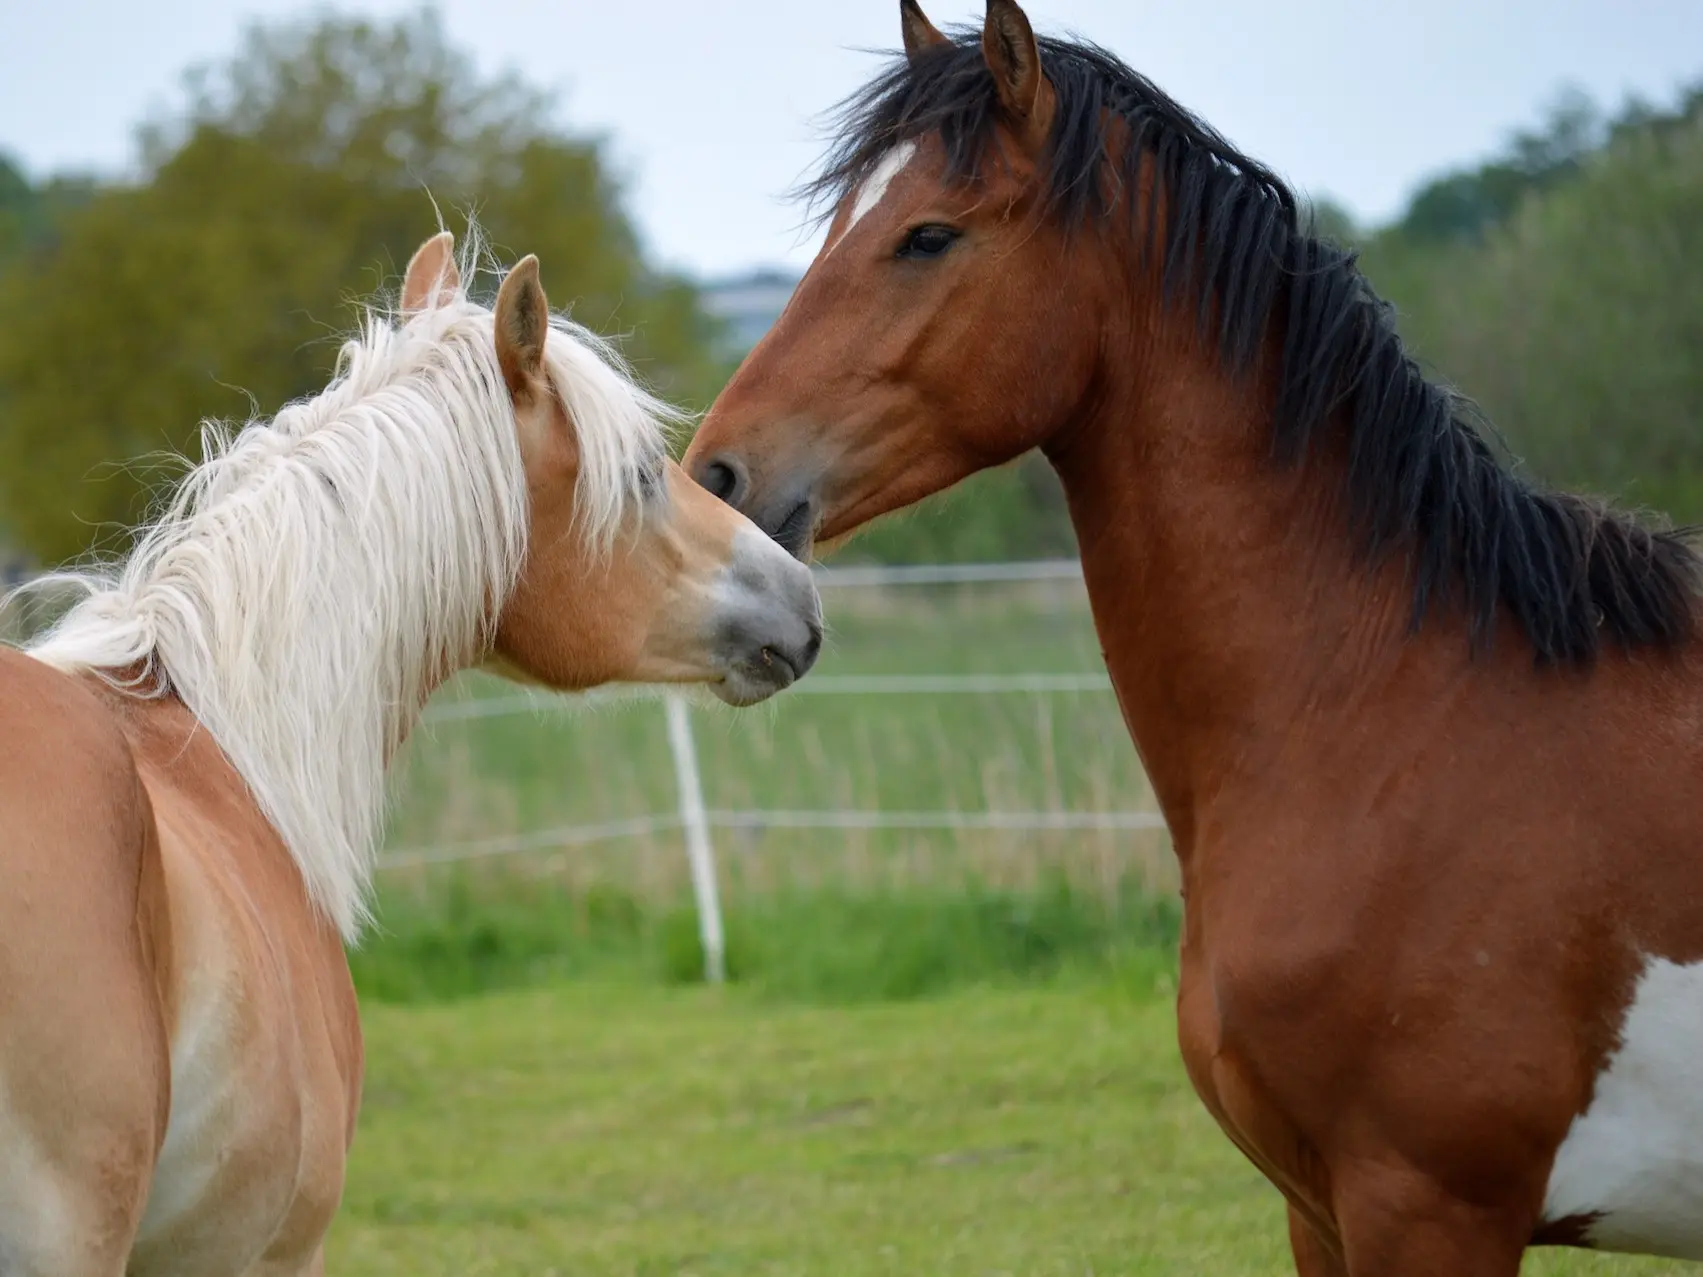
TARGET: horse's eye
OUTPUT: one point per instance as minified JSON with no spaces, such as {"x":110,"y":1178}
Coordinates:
{"x":928,"y":241}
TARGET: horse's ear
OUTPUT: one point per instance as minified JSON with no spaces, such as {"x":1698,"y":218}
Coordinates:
{"x":1014,"y":57}
{"x":921,"y":35}
{"x":432,"y":278}
{"x":522,"y":323}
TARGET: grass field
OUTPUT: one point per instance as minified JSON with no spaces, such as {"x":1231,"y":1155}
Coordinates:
{"x":621,"y":1128}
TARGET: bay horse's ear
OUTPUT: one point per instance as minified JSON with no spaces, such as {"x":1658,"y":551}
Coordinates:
{"x":921,"y":35}
{"x":1014,"y":57}
{"x":522,"y":323}
{"x":432,"y":278}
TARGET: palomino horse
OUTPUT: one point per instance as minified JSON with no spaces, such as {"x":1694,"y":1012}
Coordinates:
{"x":1428,"y":739}
{"x":192,"y":762}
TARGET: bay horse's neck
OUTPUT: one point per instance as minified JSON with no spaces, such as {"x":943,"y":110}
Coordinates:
{"x":1238,"y":624}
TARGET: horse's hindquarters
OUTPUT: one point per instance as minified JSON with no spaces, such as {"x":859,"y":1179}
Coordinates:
{"x":83,"y":1029}
{"x":82,"y":1098}
{"x":265,"y":1054}
{"x":179,"y":1051}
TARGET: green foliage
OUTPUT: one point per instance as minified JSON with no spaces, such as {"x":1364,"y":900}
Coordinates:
{"x":294,"y":180}
{"x":19,"y":209}
{"x":1330,"y":220}
{"x":1577,"y":320}
{"x":832,"y":944}
{"x":1016,"y":511}
{"x":29,"y":214}
{"x":1464,"y":205}
{"x":841,"y":946}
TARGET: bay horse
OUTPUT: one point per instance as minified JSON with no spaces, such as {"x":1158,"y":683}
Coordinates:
{"x":1428,"y":737}
{"x":192,"y":760}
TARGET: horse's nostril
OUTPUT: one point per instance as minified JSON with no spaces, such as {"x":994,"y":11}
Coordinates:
{"x":719,"y":479}
{"x":724,"y":478}
{"x":813,"y":648}
{"x":794,"y":532}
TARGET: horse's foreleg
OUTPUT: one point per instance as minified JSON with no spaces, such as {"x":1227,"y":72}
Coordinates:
{"x":1396,"y":1222}
{"x":1314,"y":1256}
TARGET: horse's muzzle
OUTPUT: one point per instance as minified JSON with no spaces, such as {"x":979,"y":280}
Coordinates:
{"x":768,"y":621}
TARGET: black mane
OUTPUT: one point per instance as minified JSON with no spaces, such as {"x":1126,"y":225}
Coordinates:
{"x":1422,"y":478}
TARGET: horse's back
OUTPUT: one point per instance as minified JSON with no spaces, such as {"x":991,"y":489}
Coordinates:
{"x":63,"y":758}
{"x":84,"y":1038}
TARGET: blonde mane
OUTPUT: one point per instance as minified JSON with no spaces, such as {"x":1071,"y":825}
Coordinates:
{"x":312,"y":579}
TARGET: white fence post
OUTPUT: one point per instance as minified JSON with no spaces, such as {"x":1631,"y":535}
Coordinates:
{"x":697,"y":828}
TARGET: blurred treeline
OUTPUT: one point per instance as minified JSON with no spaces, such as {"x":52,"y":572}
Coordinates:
{"x":291,"y":184}
{"x":1560,"y":283}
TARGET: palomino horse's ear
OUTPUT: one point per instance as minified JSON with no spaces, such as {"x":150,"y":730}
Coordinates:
{"x":522,"y":324}
{"x":920,"y":34}
{"x":1014,"y":57}
{"x":432,"y":278}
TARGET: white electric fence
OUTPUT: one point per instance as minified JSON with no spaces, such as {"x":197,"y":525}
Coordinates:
{"x":696,"y":821}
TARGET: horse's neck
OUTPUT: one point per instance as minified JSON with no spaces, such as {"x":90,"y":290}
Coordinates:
{"x":1237,"y":623}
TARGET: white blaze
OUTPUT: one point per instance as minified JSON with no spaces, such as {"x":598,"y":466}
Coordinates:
{"x":874,"y":190}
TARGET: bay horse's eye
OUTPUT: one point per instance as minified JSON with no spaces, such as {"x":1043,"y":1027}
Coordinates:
{"x":927,"y":241}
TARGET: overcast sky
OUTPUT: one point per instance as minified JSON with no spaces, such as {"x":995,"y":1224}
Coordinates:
{"x":713,"y":105}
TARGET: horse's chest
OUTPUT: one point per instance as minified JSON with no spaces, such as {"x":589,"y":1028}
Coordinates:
{"x":1242,"y":1108}
{"x":1629,"y":1175}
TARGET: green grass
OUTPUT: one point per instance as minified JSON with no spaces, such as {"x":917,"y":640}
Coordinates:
{"x":466,"y":934}
{"x":618,"y":1127}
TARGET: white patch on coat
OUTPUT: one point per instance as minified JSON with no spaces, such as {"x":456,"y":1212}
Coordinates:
{"x":1634,"y":1159}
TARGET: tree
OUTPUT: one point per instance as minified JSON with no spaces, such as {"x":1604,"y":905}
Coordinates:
{"x":28,"y":213}
{"x":1325,"y":217}
{"x":291,"y":184}
{"x":1014,"y":511}
{"x":1577,"y":319}
{"x":1464,"y":205}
